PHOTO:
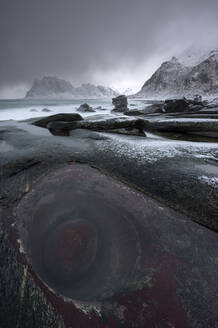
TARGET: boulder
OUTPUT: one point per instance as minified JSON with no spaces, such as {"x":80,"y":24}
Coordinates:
{"x":175,"y":105}
{"x":181,"y":105}
{"x":33,"y":110}
{"x":85,"y":108}
{"x":46,"y":110}
{"x":120,"y":104}
{"x":59,"y":128}
{"x":58,"y":117}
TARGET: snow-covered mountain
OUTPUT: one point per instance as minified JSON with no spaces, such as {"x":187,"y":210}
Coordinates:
{"x":184,"y":76}
{"x":128,"y":92}
{"x":55,"y":88}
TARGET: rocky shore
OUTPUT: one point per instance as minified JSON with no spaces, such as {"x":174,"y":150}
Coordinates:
{"x":164,"y":188}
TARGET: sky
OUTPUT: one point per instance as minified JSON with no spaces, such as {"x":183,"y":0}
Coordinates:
{"x":117,"y":43}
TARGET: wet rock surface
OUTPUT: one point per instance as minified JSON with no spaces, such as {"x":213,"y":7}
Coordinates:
{"x":177,"y":256}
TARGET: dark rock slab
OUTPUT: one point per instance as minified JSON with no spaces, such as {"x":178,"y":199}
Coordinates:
{"x":125,"y":125}
{"x":169,"y":275}
{"x":174,"y":278}
{"x":184,"y":125}
{"x":65,"y":117}
{"x":113,"y":123}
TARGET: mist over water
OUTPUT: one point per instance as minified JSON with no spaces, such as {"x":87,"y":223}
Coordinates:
{"x":21,"y":109}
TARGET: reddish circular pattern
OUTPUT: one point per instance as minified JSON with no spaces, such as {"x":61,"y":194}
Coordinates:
{"x":70,"y":249}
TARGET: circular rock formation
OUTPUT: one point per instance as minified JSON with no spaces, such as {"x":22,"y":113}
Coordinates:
{"x":112,"y":256}
{"x":70,"y":250}
{"x":76,"y":232}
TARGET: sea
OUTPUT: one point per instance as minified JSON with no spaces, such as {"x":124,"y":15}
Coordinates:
{"x":23,"y":109}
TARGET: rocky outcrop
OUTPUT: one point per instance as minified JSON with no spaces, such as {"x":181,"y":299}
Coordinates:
{"x":119,"y":125}
{"x":181,"y":105}
{"x":85,"y":108}
{"x":53,"y":87}
{"x":174,"y":79}
{"x":120,"y":104}
{"x":58,"y":117}
{"x":170,"y":106}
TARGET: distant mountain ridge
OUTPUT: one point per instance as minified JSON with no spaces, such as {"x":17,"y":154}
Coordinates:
{"x":178,"y":78}
{"x":56,"y":88}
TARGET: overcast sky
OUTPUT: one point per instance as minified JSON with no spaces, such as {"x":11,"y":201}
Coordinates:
{"x":118,"y":43}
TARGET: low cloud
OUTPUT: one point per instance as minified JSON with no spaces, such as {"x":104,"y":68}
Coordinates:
{"x":118,"y":43}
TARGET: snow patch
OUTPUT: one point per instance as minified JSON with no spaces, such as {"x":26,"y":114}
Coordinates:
{"x":211,"y":181}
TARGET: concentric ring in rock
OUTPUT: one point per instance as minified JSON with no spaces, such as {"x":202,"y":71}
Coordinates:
{"x":79,"y":233}
{"x":70,"y":250}
{"x":132,"y":249}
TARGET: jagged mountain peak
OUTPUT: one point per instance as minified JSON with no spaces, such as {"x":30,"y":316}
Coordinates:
{"x":177,"y":78}
{"x":173,"y":62}
{"x":194,"y":55}
{"x":213,"y":55}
